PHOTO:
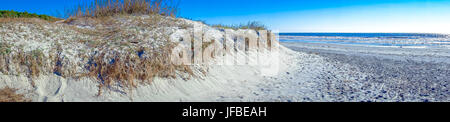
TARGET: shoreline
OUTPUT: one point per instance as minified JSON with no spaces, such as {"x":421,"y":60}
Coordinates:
{"x":438,"y":55}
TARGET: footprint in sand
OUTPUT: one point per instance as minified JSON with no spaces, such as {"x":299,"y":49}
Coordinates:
{"x":50,"y":89}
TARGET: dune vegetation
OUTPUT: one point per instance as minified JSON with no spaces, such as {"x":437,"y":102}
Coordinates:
{"x":9,"y":95}
{"x":249,"y":25}
{"x":118,"y":44}
{"x":107,"y":34}
{"x":107,"y":8}
{"x":15,"y":15}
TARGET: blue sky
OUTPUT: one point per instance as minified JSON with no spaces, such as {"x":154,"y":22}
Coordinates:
{"x":432,"y":16}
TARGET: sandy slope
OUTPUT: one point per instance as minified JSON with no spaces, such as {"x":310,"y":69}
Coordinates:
{"x":221,"y":83}
{"x":302,"y":76}
{"x":297,"y":79}
{"x":69,"y":46}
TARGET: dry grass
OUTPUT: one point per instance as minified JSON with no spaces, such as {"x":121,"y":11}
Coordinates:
{"x":5,"y":48}
{"x":127,"y":68}
{"x":31,"y":64}
{"x":250,"y":25}
{"x":269,"y":41}
{"x":207,"y":44}
{"x":102,"y":8}
{"x":35,"y":62}
{"x":9,"y":95}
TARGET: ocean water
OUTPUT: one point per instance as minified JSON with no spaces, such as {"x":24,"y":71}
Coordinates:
{"x":400,"y":40}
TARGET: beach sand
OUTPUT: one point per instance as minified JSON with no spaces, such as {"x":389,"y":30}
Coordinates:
{"x":362,"y":73}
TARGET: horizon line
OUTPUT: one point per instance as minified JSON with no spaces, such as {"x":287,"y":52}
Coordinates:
{"x":366,"y":32}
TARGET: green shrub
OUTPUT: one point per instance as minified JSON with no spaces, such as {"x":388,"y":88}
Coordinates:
{"x":15,"y":14}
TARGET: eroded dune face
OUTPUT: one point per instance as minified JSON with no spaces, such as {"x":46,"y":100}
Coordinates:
{"x":202,"y":43}
{"x":111,"y":58}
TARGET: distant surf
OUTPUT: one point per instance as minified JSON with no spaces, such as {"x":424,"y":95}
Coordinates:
{"x":400,"y":40}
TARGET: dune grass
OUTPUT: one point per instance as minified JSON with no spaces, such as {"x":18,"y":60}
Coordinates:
{"x":9,"y":95}
{"x":104,"y":58}
{"x":130,"y":69}
{"x":104,"y":8}
{"x":250,"y":25}
{"x":5,"y":48}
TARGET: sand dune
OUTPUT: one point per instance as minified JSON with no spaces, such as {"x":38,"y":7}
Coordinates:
{"x":66,"y":62}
